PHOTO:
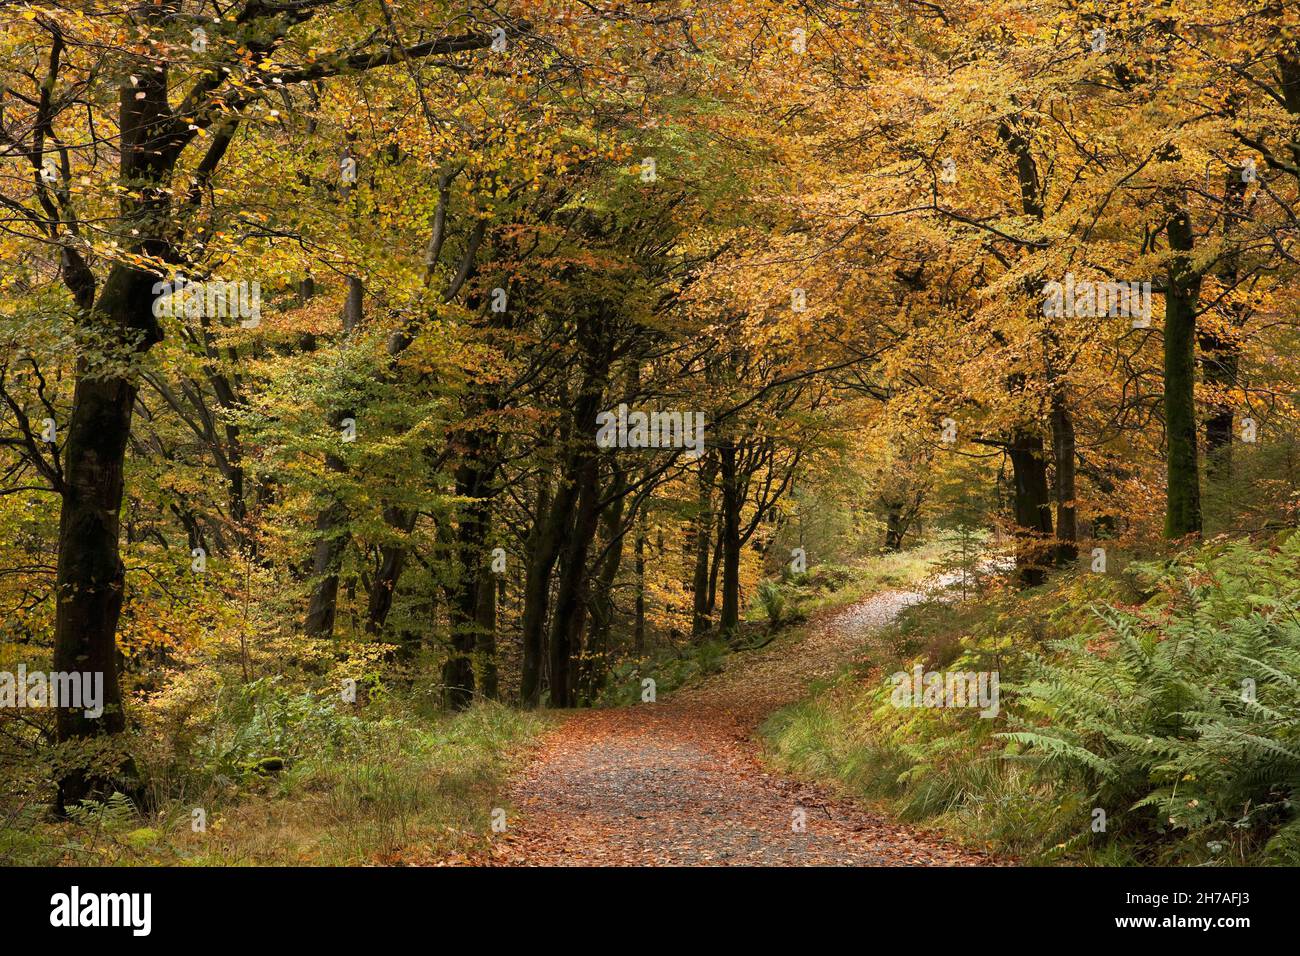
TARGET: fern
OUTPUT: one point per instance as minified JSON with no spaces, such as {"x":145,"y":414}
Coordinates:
{"x":1158,"y":724}
{"x":111,"y":814}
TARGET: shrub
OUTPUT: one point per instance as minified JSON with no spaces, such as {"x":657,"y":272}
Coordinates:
{"x":261,"y":725}
{"x":1182,"y":719}
{"x":669,"y":670}
{"x":1168,"y":696}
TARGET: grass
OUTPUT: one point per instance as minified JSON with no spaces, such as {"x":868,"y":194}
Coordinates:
{"x":406,"y":789}
{"x":284,"y":775}
{"x":943,"y":768}
{"x":838,"y":736}
{"x":1120,"y":694}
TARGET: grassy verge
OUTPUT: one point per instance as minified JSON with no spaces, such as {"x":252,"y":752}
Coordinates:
{"x":391,"y":786}
{"x":1150,"y":716}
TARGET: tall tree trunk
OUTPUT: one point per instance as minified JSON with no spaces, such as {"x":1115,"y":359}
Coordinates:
{"x":331,"y":538}
{"x":1183,"y":489}
{"x":90,"y":576}
{"x":703,"y":539}
{"x":485,"y":651}
{"x":548,"y":537}
{"x":471,"y":536}
{"x":1033,"y":508}
{"x":730,"y":617}
{"x":638,"y":627}
{"x":471,"y":606}
{"x":595,"y":662}
{"x":715,"y":565}
{"x":571,"y":589}
{"x":1220,"y":363}
{"x":543,"y":545}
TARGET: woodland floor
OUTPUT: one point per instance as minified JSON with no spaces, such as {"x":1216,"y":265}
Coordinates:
{"x":680,"y":782}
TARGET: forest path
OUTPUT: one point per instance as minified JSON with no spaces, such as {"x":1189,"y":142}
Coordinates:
{"x":680,"y":782}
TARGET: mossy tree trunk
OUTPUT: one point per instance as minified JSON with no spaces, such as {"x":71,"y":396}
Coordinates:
{"x":1183,"y":489}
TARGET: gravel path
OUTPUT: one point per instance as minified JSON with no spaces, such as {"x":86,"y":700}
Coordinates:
{"x":680,"y":782}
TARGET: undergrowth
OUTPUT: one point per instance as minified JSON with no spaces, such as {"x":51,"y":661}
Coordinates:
{"x":272,"y":772}
{"x":1146,"y":717}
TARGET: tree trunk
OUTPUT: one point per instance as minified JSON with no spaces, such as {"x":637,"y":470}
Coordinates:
{"x":894,"y":528}
{"x":1183,"y":489}
{"x":485,"y":652}
{"x":715,"y":564}
{"x":90,"y":577}
{"x":1032,"y":506}
{"x":703,"y":540}
{"x":1220,"y":362}
{"x":1032,"y":515}
{"x":392,"y":561}
{"x":472,"y":607}
{"x":543,"y":545}
{"x":730,"y":617}
{"x":331,"y":538}
{"x":471,"y":531}
{"x":571,"y":590}
{"x":638,"y":627}
{"x":595,"y":662}
{"x":548,"y":537}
